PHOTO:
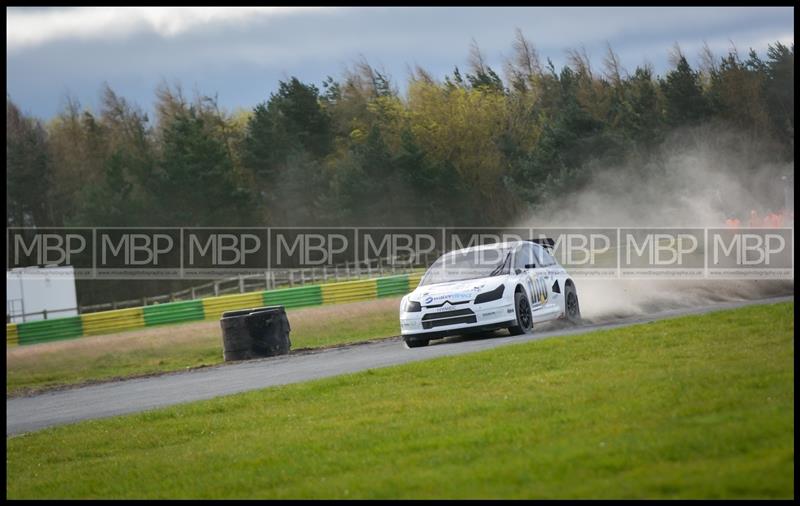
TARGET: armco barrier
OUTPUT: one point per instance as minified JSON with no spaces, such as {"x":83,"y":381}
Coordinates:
{"x":294,"y":297}
{"x":213,"y":307}
{"x":106,"y":322}
{"x":173,"y":312}
{"x":49,"y":330}
{"x":349,"y":291}
{"x":394,"y":285}
{"x":12,"y":336}
{"x":210,"y":308}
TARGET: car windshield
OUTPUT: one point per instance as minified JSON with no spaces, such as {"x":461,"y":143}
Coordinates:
{"x":469,"y":264}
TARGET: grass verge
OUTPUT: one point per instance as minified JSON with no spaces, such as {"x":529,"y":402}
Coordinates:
{"x":694,"y":407}
{"x":175,"y":347}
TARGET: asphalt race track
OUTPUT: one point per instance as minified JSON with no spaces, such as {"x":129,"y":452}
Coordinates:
{"x":26,"y":414}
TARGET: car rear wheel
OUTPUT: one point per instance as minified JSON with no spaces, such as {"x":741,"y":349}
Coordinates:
{"x":572,"y":309}
{"x":524,"y":316}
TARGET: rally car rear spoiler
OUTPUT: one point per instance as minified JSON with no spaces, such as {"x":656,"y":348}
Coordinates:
{"x":544,"y":241}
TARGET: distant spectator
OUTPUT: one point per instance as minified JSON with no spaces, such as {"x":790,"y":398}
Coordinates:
{"x":755,"y":219}
{"x":774,"y":220}
{"x":733,"y":223}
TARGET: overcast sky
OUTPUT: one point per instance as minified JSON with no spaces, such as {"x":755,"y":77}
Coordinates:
{"x":242,"y":53}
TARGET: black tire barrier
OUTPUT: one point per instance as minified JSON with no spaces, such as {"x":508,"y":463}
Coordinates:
{"x":255,"y":333}
{"x":269,"y":329}
{"x":236,"y":340}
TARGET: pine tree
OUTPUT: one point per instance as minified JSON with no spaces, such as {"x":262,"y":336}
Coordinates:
{"x":28,"y":171}
{"x":685,"y":102}
{"x":195,"y":181}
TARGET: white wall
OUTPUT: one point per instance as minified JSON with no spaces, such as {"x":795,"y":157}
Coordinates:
{"x":36,"y":289}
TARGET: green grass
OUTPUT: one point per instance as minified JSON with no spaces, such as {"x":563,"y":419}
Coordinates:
{"x":176,"y":347}
{"x":694,"y":407}
{"x":59,"y":369}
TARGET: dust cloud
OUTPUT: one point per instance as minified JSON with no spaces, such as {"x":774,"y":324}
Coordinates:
{"x":608,"y":300}
{"x":698,"y":177}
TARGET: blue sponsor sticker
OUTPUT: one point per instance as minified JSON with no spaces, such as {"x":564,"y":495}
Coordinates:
{"x":450,"y":297}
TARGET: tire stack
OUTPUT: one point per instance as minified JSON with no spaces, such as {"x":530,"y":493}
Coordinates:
{"x":255,"y":333}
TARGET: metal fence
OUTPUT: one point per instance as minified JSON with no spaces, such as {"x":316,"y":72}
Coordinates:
{"x":268,"y":280}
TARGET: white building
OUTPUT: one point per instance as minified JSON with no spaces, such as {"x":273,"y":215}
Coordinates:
{"x":33,"y":292}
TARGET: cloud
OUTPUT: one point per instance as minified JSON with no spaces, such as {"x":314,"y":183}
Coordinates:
{"x":27,"y":27}
{"x":242,"y":53}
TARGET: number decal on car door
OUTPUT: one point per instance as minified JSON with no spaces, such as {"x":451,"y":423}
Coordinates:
{"x":538,"y":291}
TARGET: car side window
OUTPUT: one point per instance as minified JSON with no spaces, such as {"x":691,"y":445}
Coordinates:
{"x":536,"y":254}
{"x":524,"y":257}
{"x":547,"y":258}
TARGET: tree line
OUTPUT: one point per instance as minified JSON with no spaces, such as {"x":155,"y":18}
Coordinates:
{"x":471,"y":149}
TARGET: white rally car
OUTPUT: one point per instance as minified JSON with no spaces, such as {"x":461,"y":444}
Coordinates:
{"x":508,"y":285}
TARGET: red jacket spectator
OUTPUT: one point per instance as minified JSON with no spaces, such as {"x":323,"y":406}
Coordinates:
{"x":755,"y":219}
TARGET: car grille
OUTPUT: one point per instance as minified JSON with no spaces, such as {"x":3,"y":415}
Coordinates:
{"x":433,"y":320}
{"x":447,"y":302}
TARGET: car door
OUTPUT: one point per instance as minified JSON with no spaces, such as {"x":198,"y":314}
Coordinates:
{"x":526,"y":266}
{"x":523,"y":261}
{"x":543,"y":276}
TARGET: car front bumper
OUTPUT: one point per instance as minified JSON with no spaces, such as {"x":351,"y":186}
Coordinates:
{"x":457,"y":319}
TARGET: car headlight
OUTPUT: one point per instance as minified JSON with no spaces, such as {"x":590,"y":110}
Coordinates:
{"x":495,"y":294}
{"x":411,"y":306}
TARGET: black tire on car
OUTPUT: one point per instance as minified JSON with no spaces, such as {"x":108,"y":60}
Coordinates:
{"x":572,"y":310}
{"x":524,"y":315}
{"x":416,"y":343}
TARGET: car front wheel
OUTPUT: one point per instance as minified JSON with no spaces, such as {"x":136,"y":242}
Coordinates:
{"x":416,"y":343}
{"x":524,"y":316}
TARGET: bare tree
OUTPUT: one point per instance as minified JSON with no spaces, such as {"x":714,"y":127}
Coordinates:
{"x":421,"y":75}
{"x":614,"y":71}
{"x":476,"y":60}
{"x":579,"y":61}
{"x":526,"y":57}
{"x":524,"y":64}
{"x":169,"y":102}
{"x":708,"y":62}
{"x":364,"y":80}
{"x":126,"y":121}
{"x":675,"y":55}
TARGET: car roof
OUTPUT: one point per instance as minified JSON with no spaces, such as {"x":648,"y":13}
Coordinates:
{"x":495,"y":245}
